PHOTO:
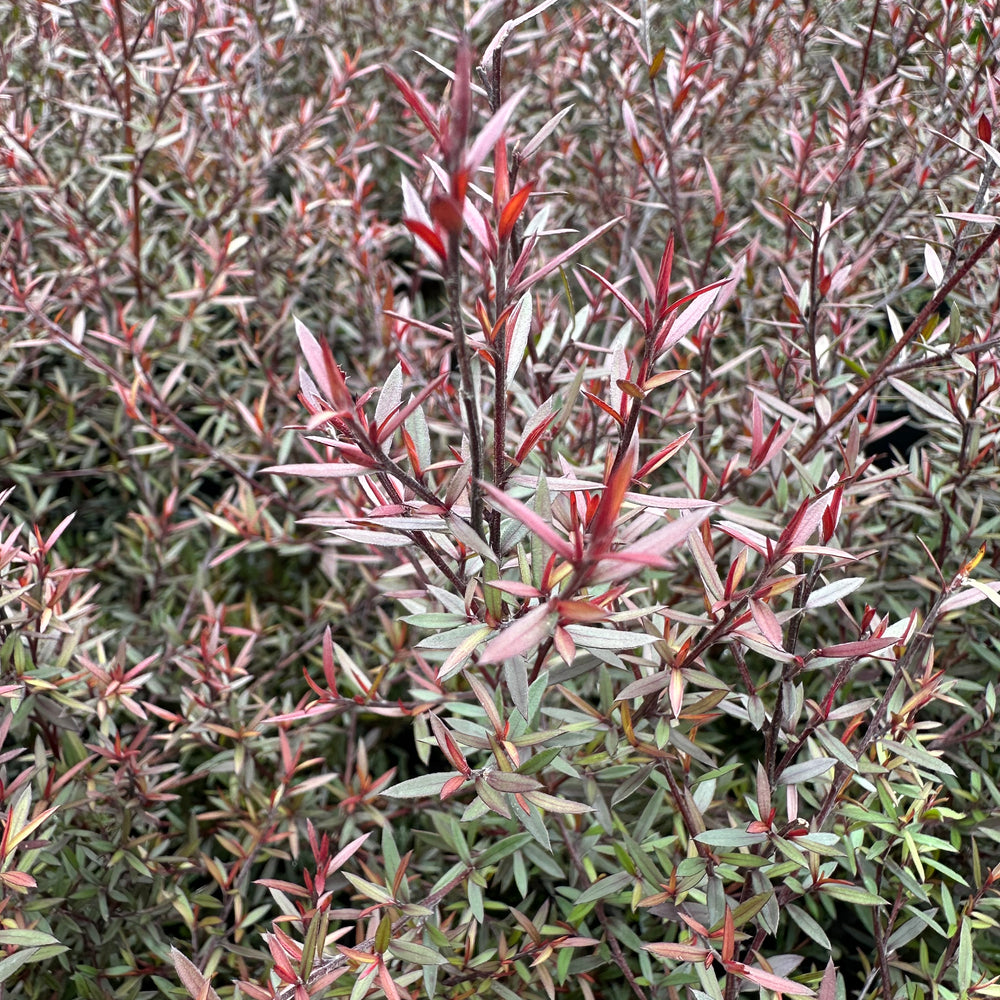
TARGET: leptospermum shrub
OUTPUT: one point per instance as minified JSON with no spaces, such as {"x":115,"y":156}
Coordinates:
{"x":588,"y":637}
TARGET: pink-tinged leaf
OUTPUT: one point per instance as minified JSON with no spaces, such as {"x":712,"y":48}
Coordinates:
{"x":18,"y":880}
{"x":482,"y":232}
{"x":728,"y":936}
{"x":863,"y":647}
{"x":756,"y":426}
{"x":453,"y":142}
{"x":842,"y":77}
{"x":665,"y":539}
{"x":652,"y":684}
{"x":57,"y":531}
{"x":664,"y":453}
{"x":530,"y":520}
{"x":662,"y":378}
{"x":413,"y":205}
{"x":707,"y":569}
{"x":501,"y":177}
{"x":565,"y":646}
{"x":400,"y":415}
{"x":828,"y":986}
{"x":282,"y":966}
{"x":521,"y":635}
{"x":976,"y":592}
{"x":492,"y":798}
{"x":491,"y":132}
{"x":620,"y":565}
{"x":776,"y":441}
{"x":386,"y":982}
{"x":329,"y":669}
{"x":549,"y":127}
{"x":337,"y":862}
{"x":804,"y":522}
{"x":986,"y":220}
{"x":681,"y":952}
{"x":314,"y":711}
{"x":619,"y":295}
{"x":580,"y":611}
{"x":829,"y":550}
{"x":675,"y":691}
{"x":556,"y":262}
{"x":313,"y":354}
{"x":320,"y":470}
{"x":598,"y":402}
{"x":192,"y":978}
{"x":323,"y":368}
{"x":515,"y":587}
{"x":831,"y":516}
{"x":769,"y":980}
{"x":690,"y":318}
{"x":575,"y":942}
{"x":768,"y":624}
{"x":485,"y":698}
{"x":509,"y":781}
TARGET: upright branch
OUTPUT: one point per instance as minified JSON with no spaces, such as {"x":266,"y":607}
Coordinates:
{"x":447,"y":211}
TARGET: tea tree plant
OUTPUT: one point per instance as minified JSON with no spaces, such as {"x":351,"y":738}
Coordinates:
{"x":446,"y":555}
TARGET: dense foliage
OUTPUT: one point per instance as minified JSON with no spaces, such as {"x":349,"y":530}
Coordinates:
{"x":499,"y":508}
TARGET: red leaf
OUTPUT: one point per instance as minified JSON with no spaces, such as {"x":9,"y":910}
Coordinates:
{"x":416,"y":101}
{"x":728,"y":936}
{"x":984,"y":129}
{"x":663,"y":277}
{"x":597,"y":401}
{"x":428,"y":235}
{"x":602,"y":525}
{"x":451,"y":786}
{"x":662,"y":455}
{"x":448,"y":746}
{"x":501,"y":174}
{"x":511,"y":211}
{"x":446,"y":211}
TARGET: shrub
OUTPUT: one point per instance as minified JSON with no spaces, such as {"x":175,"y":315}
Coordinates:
{"x":472,"y":463}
